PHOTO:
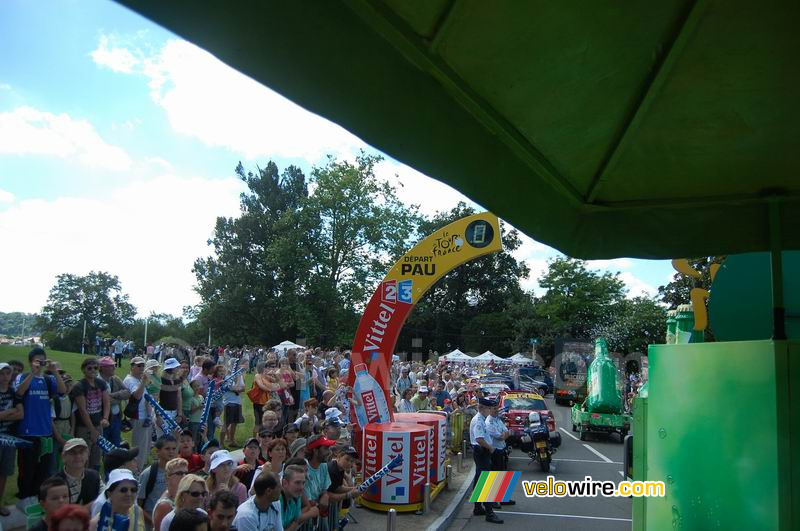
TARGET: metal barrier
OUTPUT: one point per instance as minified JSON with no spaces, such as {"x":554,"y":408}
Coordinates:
{"x":325,"y":523}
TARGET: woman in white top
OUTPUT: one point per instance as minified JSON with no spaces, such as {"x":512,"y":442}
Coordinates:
{"x":191,"y":494}
{"x":175,"y":470}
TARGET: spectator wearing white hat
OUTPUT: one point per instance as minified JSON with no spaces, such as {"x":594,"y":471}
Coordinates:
{"x":169,"y":396}
{"x":121,"y":494}
{"x":221,"y":476}
{"x":421,"y":400}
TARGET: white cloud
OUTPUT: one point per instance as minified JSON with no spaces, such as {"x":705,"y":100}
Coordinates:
{"x":208,"y":100}
{"x":5,"y":86}
{"x":148,"y":233}
{"x":28,"y":131}
{"x":116,"y":58}
{"x":417,"y":188}
{"x":6,"y":197}
{"x":537,"y":266}
{"x":636,"y":286}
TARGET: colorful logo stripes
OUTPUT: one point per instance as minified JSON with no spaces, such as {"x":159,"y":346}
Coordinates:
{"x":495,"y":486}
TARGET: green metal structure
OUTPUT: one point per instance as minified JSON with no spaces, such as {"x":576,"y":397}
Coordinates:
{"x":604,"y":129}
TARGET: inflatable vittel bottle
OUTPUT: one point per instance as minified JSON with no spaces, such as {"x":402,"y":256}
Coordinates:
{"x":372,"y":407}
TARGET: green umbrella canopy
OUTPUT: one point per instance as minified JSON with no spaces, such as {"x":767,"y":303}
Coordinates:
{"x":644,"y":129}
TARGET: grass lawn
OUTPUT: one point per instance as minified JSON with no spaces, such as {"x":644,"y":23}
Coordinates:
{"x":71,"y":362}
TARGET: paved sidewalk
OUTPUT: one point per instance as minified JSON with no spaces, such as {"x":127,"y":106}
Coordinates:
{"x":443,"y":508}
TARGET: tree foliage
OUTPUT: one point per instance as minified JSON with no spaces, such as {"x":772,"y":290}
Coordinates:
{"x":297,"y":263}
{"x":96,"y":298}
{"x":11,"y":324}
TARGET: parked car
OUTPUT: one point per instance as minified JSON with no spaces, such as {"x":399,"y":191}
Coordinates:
{"x":540,"y":375}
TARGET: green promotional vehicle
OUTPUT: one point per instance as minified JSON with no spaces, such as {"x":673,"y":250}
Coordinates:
{"x":586,"y":422}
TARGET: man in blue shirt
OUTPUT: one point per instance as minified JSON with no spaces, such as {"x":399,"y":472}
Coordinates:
{"x":440,"y":395}
{"x":35,"y":390}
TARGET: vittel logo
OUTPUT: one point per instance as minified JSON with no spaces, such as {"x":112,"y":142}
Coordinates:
{"x":371,"y":406}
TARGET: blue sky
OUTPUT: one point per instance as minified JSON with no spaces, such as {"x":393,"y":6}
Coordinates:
{"x":117,"y":147}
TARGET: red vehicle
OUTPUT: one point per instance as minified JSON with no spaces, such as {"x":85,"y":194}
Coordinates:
{"x":516,"y":405}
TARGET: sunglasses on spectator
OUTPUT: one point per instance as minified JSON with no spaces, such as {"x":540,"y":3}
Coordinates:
{"x":91,"y":368}
{"x":126,"y":490}
{"x":138,"y":364}
{"x":197,"y":493}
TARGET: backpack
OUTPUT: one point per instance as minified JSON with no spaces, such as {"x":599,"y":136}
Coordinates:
{"x":151,"y":481}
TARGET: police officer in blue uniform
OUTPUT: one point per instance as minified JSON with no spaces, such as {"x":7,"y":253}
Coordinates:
{"x":482,"y":454}
{"x":499,"y":432}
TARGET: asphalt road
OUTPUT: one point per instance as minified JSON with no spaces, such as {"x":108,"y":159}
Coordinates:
{"x":597,"y":457}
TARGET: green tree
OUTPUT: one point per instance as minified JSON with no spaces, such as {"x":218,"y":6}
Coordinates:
{"x":578,"y":302}
{"x":299,"y":264}
{"x":362,"y":229}
{"x":96,"y":298}
{"x":638,"y":322}
{"x":11,"y":324}
{"x":251,"y":289}
{"x":159,"y":325}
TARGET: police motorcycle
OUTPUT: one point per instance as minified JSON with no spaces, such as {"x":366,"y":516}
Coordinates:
{"x":535,"y":440}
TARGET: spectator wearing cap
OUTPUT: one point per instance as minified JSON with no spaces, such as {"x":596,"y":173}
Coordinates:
{"x":93,"y":407}
{"x":121,"y":494}
{"x":290,"y":433}
{"x":192,"y":494}
{"x":117,"y":393}
{"x":318,"y":451}
{"x":482,"y":455}
{"x":246,"y":470}
{"x":137,"y":409}
{"x":293,"y":485}
{"x":332,"y":428}
{"x":53,"y":495}
{"x":166,"y":450}
{"x":84,"y":483}
{"x":11,"y":411}
{"x":206,"y":451}
{"x":221,"y":476}
{"x":35,"y":390}
{"x":262,"y":510}
{"x":297,"y":447}
{"x":169,"y":396}
{"x":176,"y":469}
{"x":421,"y":400}
{"x":340,"y":470}
{"x":186,"y":451}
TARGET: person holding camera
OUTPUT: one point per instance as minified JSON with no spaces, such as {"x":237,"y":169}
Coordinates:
{"x":35,"y":389}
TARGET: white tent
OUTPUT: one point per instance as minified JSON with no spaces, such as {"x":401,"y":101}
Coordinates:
{"x":489,"y":356}
{"x":452,"y":356}
{"x":283,"y":346}
{"x":521,"y":358}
